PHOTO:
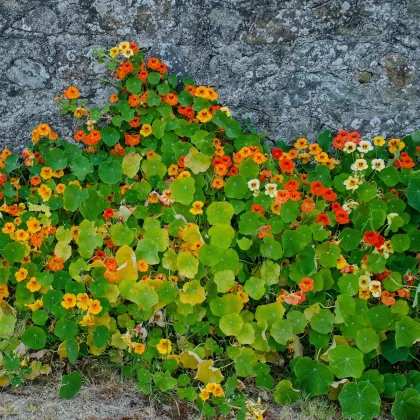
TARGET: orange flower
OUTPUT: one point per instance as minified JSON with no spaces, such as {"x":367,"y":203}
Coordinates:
{"x":94,"y":307}
{"x":133,"y":100}
{"x":387,"y":298}
{"x":113,"y":98}
{"x":218,"y":183}
{"x":306,"y":284}
{"x":282,"y":196}
{"x":291,"y":185}
{"x":142,"y":266}
{"x":257,"y":208}
{"x":286,"y":165}
{"x":71,"y":93}
{"x":35,"y":180}
{"x":307,"y":205}
{"x":342,"y":217}
{"x":131,"y":139}
{"x":80,"y":135}
{"x":171,"y":99}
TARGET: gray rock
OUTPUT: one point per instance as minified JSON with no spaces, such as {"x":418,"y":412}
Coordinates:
{"x":294,"y":67}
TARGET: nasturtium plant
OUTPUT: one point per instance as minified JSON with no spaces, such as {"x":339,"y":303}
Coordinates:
{"x":176,"y":244}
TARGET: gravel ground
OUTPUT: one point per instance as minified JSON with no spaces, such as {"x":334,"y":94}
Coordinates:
{"x":104,"y":397}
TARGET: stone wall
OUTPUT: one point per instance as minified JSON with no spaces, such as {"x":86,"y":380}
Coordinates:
{"x":295,"y":67}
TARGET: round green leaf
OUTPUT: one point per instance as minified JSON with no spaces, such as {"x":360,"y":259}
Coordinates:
{"x":13,"y":252}
{"x":65,"y":329}
{"x":360,"y":401}
{"x":282,"y":331}
{"x":70,"y":385}
{"x":255,"y":287}
{"x":407,"y":332}
{"x":110,"y":136}
{"x":34,"y":338}
{"x":285,"y":393}
{"x":393,"y":382}
{"x":367,"y":340}
{"x":346,"y":362}
{"x":224,"y":280}
{"x":183,"y":190}
{"x":379,"y":317}
{"x":406,"y":405}
{"x":400,"y":242}
{"x":231,"y":324}
{"x":100,"y":336}
{"x":220,"y":212}
{"x":110,"y":171}
{"x":236,"y":187}
{"x":312,"y":377}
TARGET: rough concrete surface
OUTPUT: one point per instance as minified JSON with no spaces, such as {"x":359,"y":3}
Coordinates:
{"x":296,"y":67}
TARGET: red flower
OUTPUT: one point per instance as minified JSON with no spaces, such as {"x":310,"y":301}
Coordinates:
{"x":306,"y":284}
{"x":108,"y":213}
{"x":336,"y":206}
{"x":286,"y":165}
{"x":277,"y":153}
{"x":329,"y":195}
{"x":341,"y":217}
{"x":317,"y":188}
{"x":257,"y":208}
{"x":324,"y":219}
{"x":291,"y":185}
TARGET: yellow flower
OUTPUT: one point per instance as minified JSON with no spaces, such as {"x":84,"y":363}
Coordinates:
{"x":212,"y":94}
{"x":184,"y":174}
{"x":69,"y":301}
{"x":46,"y":172}
{"x":322,"y":158}
{"x":146,"y":130}
{"x":341,"y":263}
{"x":173,"y":170}
{"x":43,"y":129}
{"x":34,"y":225}
{"x":95,"y":307}
{"x":202,"y":92}
{"x":138,"y":348}
{"x":197,"y":208}
{"x":218,"y":391}
{"x":142,"y":266}
{"x":87,"y":321}
{"x":36,"y":305}
{"x":164,"y":346}
{"x":58,"y":174}
{"x":301,"y":143}
{"x":17,"y":221}
{"x":76,"y":182}
{"x":45,"y":192}
{"x":127,"y":53}
{"x":22,"y":235}
{"x":218,"y":183}
{"x":74,"y":232}
{"x":113,"y":52}
{"x":21,"y":274}
{"x":60,"y":188}
{"x":244,"y":296}
{"x":83,"y":301}
{"x":204,"y":116}
{"x":123,"y":45}
{"x":8,"y":228}
{"x":33,"y":285}
{"x":204,"y":395}
{"x":314,"y":149}
{"x":4,"y":291}
{"x":378,"y":141}
{"x":364,"y":293}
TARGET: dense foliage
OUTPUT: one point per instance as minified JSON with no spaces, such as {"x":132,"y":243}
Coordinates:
{"x":198,"y":260}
